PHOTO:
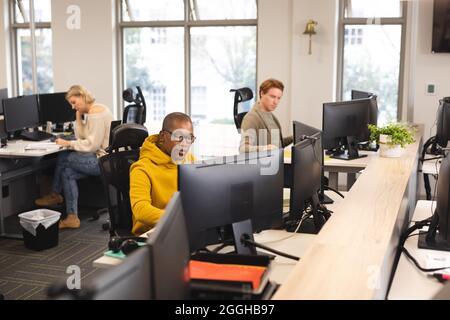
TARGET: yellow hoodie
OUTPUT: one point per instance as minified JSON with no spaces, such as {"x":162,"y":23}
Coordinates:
{"x":153,"y":181}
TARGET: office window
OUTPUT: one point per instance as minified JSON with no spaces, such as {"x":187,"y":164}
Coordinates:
{"x":23,"y":46}
{"x":198,"y":51}
{"x":372,"y":38}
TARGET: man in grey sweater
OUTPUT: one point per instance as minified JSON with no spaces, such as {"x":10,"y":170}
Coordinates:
{"x":260,"y":129}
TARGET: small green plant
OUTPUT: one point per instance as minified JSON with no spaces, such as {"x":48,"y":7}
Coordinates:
{"x":401,"y":134}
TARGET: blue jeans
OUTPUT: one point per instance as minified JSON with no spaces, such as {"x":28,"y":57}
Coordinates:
{"x":71,"y":166}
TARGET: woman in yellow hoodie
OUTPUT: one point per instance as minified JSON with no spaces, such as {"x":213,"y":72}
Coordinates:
{"x":153,"y":178}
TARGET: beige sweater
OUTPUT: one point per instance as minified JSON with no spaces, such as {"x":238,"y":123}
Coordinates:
{"x":93,"y":133}
{"x":257,"y":131}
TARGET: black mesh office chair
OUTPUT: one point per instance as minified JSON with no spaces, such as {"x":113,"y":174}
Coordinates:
{"x":136,"y":111}
{"x":115,"y":166}
{"x":240,"y":95}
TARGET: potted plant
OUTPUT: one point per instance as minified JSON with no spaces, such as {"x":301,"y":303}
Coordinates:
{"x":392,"y":138}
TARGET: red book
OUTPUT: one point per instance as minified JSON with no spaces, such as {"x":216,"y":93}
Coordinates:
{"x":226,"y":272}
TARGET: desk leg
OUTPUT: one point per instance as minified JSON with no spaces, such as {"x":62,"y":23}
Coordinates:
{"x":3,"y":234}
{"x":351,"y":178}
{"x":333,"y":179}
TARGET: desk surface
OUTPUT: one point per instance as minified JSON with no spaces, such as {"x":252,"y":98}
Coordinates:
{"x":409,"y":282}
{"x":18,"y":148}
{"x":355,"y":247}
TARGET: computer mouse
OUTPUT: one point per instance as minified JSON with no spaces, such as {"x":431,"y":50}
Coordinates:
{"x":53,"y":139}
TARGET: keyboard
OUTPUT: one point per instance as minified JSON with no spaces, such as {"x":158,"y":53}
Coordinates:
{"x":66,"y":136}
{"x":35,"y":135}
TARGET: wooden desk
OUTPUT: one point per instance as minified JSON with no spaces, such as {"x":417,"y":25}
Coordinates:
{"x":353,"y":255}
{"x":409,"y":282}
{"x":18,"y":148}
{"x":335,"y":166}
{"x":351,"y":167}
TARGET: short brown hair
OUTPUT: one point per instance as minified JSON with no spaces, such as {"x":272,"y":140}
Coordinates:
{"x":80,"y":91}
{"x":269,"y":84}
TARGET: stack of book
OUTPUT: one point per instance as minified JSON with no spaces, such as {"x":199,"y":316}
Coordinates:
{"x":230,"y":276}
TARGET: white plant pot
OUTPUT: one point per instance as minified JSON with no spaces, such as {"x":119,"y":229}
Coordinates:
{"x":387,"y":150}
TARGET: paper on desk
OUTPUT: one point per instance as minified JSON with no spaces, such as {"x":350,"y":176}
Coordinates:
{"x":42,"y":146}
{"x":437,"y":260}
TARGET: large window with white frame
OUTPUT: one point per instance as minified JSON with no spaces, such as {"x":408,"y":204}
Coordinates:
{"x":186,"y":56}
{"x":372,"y":40}
{"x":28,"y":49}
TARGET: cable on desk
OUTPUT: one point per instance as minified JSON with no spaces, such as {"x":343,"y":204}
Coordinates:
{"x":331,"y":189}
{"x":247,"y":241}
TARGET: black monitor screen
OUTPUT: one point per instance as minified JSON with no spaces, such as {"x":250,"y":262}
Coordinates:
{"x":169,"y":254}
{"x":3,"y":95}
{"x":224,"y":191}
{"x":345,"y":123}
{"x":55,"y":108}
{"x":21,"y":113}
{"x":130,"y":280}
{"x":443,"y":123}
{"x":307,"y":173}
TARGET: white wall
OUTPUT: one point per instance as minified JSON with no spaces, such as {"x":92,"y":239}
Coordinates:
{"x":313,"y":76}
{"x":274,"y":52}
{"x":428,"y":68}
{"x":86,"y":56}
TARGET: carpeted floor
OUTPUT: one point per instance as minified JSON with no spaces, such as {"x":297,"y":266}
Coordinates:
{"x":25,"y":274}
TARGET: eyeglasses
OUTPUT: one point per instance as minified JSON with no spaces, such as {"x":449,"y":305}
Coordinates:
{"x":179,"y":136}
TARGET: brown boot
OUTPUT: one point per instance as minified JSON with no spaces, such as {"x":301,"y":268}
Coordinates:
{"x":49,"y":200}
{"x":71,"y":222}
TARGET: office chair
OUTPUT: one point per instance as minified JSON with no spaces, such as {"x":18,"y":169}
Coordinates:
{"x":136,"y":111}
{"x":240,"y":95}
{"x":115,"y":166}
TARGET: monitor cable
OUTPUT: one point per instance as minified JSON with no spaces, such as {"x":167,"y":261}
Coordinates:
{"x":334,"y":190}
{"x":245,"y":240}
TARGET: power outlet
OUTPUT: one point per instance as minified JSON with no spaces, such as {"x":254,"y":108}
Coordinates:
{"x":430,"y":89}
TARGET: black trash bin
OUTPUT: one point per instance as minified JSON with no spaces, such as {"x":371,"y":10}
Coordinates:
{"x":40,"y":229}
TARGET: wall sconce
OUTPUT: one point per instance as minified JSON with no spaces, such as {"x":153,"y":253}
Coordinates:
{"x":309,"y":30}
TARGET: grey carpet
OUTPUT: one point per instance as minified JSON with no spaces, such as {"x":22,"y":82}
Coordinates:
{"x":26,"y":274}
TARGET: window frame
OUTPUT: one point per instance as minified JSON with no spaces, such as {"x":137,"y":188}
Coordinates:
{"x":187,"y":24}
{"x":343,"y":22}
{"x":15,"y":26}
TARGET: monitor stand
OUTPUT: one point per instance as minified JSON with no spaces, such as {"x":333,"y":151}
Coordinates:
{"x":311,"y":225}
{"x":352,"y":150}
{"x":432,"y":240}
{"x":245,"y":229}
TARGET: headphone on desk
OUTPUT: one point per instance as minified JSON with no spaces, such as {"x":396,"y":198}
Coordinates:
{"x":125,"y":244}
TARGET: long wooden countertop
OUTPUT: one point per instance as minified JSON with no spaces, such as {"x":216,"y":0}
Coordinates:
{"x":352,"y":256}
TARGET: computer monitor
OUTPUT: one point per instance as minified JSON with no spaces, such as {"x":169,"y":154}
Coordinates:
{"x":21,"y":113}
{"x":438,"y":235}
{"x":301,"y":131}
{"x":130,"y":280}
{"x":344,"y":123}
{"x":223,"y":192}
{"x":357,"y":94}
{"x":306,"y":182}
{"x":55,"y":108}
{"x":373,"y":108}
{"x":3,"y":95}
{"x":443,"y":123}
{"x":169,"y":254}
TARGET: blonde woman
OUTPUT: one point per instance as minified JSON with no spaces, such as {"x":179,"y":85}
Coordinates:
{"x":93,"y":121}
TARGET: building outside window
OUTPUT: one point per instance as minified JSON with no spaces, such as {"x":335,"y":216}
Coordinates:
{"x":372,"y":37}
{"x":197,"y":50}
